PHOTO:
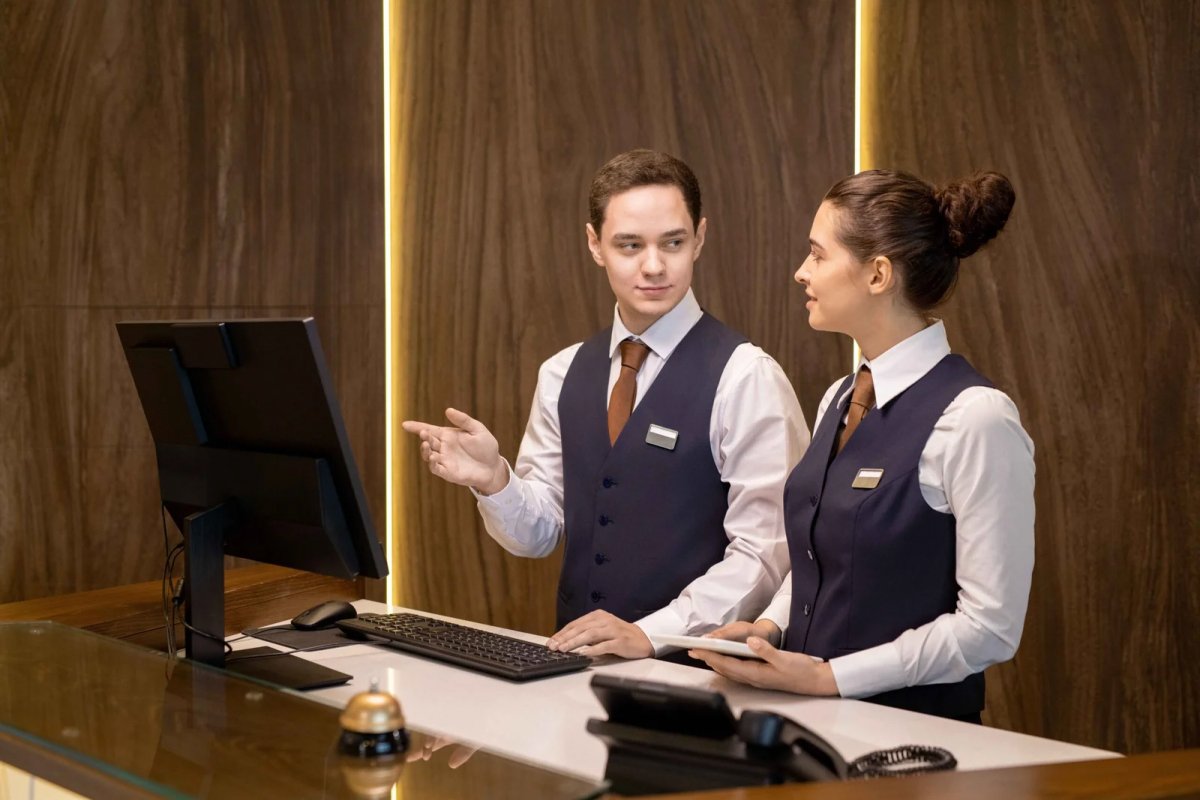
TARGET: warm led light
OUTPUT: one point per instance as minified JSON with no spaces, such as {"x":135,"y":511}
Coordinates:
{"x":388,"y":310}
{"x":865,"y":13}
{"x":858,"y":10}
{"x":857,"y":352}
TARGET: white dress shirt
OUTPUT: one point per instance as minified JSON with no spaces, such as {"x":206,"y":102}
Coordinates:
{"x":978,"y":466}
{"x":757,"y":433}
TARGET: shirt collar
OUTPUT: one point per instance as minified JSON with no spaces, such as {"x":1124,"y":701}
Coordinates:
{"x":667,"y":331}
{"x":905,"y":363}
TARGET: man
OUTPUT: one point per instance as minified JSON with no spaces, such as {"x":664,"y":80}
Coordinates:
{"x":659,"y":447}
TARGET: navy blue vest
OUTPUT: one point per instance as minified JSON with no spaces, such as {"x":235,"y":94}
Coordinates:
{"x":869,"y":564}
{"x":641,"y":522}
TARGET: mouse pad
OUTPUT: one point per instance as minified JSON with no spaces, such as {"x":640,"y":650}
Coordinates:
{"x":303,"y":640}
{"x":282,"y":669}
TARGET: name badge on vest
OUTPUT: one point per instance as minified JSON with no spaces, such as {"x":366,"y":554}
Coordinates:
{"x":662,"y":437}
{"x":867,"y":478}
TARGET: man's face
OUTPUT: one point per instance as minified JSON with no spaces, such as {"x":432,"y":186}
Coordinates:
{"x":647,"y":246}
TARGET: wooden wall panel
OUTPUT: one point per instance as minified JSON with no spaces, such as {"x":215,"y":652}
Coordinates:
{"x":171,"y":160}
{"x":504,"y":112}
{"x":1085,"y":312}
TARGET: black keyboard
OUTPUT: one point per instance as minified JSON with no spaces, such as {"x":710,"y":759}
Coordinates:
{"x":472,"y":648}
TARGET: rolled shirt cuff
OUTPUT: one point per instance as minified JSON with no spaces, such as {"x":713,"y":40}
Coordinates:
{"x":869,"y":672}
{"x":663,"y":621}
{"x":504,"y":501}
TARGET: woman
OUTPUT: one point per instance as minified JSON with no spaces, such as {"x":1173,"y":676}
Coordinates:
{"x":910,"y":517}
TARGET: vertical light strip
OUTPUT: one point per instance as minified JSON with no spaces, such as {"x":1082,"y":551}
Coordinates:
{"x":856,"y":354}
{"x":858,"y":13}
{"x":388,"y":310}
{"x":866,"y":15}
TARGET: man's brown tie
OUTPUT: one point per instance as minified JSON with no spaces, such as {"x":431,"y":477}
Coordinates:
{"x":861,"y":401}
{"x":620,"y":404}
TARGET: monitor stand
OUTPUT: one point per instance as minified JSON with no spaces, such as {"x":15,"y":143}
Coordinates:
{"x":204,"y":610}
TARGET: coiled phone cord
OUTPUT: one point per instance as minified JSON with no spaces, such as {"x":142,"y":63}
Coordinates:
{"x":907,"y":760}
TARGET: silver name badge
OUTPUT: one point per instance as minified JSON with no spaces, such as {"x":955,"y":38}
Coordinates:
{"x":662,"y":437}
{"x":867,"y":478}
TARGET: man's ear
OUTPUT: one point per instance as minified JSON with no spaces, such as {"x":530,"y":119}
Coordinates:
{"x":593,"y":240}
{"x":701,"y":231}
{"x":882,"y":276}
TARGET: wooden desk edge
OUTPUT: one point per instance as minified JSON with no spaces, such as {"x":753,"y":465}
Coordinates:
{"x":1166,"y":774}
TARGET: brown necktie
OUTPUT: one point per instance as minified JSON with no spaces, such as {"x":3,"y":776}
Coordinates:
{"x":620,"y":405}
{"x":860,"y":403}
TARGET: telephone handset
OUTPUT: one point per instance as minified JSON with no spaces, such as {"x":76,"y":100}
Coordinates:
{"x":765,"y":732}
{"x":666,"y":738}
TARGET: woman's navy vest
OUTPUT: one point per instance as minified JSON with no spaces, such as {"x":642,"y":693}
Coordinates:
{"x":642,"y":522}
{"x":869,"y":564}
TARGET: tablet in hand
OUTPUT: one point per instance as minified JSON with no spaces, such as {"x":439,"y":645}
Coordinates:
{"x":725,"y":646}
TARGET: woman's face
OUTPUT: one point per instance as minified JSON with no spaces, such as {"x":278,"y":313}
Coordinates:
{"x":834,"y":280}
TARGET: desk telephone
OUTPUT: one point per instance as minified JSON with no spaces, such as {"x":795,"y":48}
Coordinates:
{"x":666,"y":738}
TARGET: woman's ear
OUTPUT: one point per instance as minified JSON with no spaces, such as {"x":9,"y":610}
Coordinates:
{"x":881,"y":275}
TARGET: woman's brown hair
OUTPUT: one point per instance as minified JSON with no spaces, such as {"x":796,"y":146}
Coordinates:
{"x":924,"y":230}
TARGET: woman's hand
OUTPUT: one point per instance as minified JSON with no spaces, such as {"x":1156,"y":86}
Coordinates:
{"x":741,"y":631}
{"x":779,"y":669}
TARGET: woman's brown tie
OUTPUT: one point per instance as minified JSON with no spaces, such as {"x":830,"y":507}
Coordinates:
{"x":620,"y":404}
{"x":861,"y":401}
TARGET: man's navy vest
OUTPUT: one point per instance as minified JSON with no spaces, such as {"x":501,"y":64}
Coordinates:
{"x":869,"y":564}
{"x":641,"y":522}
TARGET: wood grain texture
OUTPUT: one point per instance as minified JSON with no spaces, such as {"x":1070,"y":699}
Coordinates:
{"x":254,"y":596}
{"x":162,"y":161}
{"x":1085,"y":312}
{"x":1174,"y":774}
{"x":504,"y":113}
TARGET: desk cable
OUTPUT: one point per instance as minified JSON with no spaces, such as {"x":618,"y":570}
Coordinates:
{"x":172,"y":594}
{"x":910,"y":759}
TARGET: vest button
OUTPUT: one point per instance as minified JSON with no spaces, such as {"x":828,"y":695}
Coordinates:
{"x":805,"y":606}
{"x":813,"y":500}
{"x":608,"y":483}
{"x":605,"y":520}
{"x":810,"y":556}
{"x":597,"y":597}
{"x":600,"y":558}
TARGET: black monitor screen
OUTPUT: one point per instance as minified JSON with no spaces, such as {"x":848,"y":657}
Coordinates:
{"x":243,"y":413}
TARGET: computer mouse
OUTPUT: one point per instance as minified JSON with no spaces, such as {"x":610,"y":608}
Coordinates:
{"x":324,"y":615}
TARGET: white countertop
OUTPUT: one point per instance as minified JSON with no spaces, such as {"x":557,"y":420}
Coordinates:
{"x":544,"y":721}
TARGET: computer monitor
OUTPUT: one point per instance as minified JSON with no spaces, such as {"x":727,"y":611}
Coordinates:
{"x":253,"y":459}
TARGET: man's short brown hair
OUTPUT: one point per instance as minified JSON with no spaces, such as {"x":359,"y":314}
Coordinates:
{"x":641,"y":167}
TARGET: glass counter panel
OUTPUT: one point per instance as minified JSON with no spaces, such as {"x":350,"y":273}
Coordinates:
{"x":172,"y":728}
{"x":15,"y":783}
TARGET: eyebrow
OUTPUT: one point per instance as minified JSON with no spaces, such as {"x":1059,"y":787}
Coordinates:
{"x":626,"y":237}
{"x":815,"y":243}
{"x":673,"y":233}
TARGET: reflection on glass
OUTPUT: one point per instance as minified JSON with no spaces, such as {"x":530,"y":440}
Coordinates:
{"x":178,"y":729}
{"x":423,"y":748}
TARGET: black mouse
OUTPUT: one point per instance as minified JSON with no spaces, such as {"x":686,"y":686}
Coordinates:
{"x":323,"y":615}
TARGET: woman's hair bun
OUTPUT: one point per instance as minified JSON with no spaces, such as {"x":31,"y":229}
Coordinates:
{"x":975,"y":209}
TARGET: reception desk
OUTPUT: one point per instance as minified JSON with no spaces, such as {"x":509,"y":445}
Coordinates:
{"x":106,"y":718}
{"x":544,"y":721}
